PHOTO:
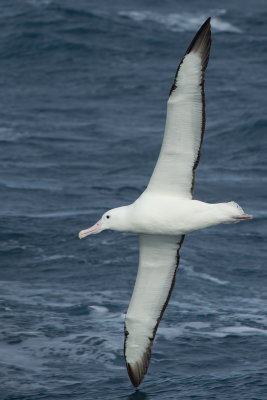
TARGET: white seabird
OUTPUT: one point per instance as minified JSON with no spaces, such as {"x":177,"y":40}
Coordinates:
{"x":166,"y":211}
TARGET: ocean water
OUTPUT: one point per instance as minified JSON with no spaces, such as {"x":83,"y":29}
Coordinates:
{"x":83,"y":93}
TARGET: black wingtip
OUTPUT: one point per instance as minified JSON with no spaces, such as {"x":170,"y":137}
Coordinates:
{"x":137,"y":370}
{"x":134,"y":374}
{"x":201,"y":43}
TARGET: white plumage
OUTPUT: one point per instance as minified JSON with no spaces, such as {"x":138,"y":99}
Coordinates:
{"x":182,"y":138}
{"x":166,"y":211}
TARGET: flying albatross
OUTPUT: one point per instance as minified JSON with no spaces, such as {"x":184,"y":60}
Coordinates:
{"x":166,"y":211}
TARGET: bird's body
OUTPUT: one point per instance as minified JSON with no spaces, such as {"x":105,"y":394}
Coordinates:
{"x":163,"y":214}
{"x":166,"y":211}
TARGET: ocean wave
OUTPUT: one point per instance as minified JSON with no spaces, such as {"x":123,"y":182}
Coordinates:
{"x":242,"y":330}
{"x":170,"y":333}
{"x":183,"y":22}
{"x":99,"y":309}
{"x":191,"y":272}
{"x":56,"y":257}
{"x":39,"y":3}
{"x":50,"y":214}
{"x":8,"y":134}
{"x":200,"y":328}
{"x":32,"y":186}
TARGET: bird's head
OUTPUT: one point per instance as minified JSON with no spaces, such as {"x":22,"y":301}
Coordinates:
{"x":233,"y":212}
{"x":115,"y":219}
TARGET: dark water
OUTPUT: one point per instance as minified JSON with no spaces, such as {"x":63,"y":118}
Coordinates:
{"x":83,"y":97}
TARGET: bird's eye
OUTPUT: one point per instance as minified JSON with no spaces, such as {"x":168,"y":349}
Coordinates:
{"x":107,"y":216}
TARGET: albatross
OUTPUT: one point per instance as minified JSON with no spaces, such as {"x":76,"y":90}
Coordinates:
{"x":166,"y":211}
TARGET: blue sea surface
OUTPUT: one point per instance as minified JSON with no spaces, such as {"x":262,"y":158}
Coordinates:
{"x":83,"y":87}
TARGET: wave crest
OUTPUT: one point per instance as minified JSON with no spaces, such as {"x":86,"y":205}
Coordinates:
{"x":184,"y":21}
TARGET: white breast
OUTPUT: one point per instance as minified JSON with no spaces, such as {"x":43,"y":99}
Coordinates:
{"x":170,"y":215}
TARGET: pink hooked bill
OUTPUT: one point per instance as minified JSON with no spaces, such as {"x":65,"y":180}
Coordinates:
{"x":244,"y":216}
{"x":91,"y":231}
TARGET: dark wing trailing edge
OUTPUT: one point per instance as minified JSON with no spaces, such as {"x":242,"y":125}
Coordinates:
{"x":158,"y":262}
{"x":174,"y":172}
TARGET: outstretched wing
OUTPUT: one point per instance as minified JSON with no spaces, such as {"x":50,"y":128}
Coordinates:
{"x":185,"y":123}
{"x":158,"y":262}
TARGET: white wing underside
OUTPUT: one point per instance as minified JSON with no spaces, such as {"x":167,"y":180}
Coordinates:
{"x":158,"y":261}
{"x":182,"y":137}
{"x":185,"y":123}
